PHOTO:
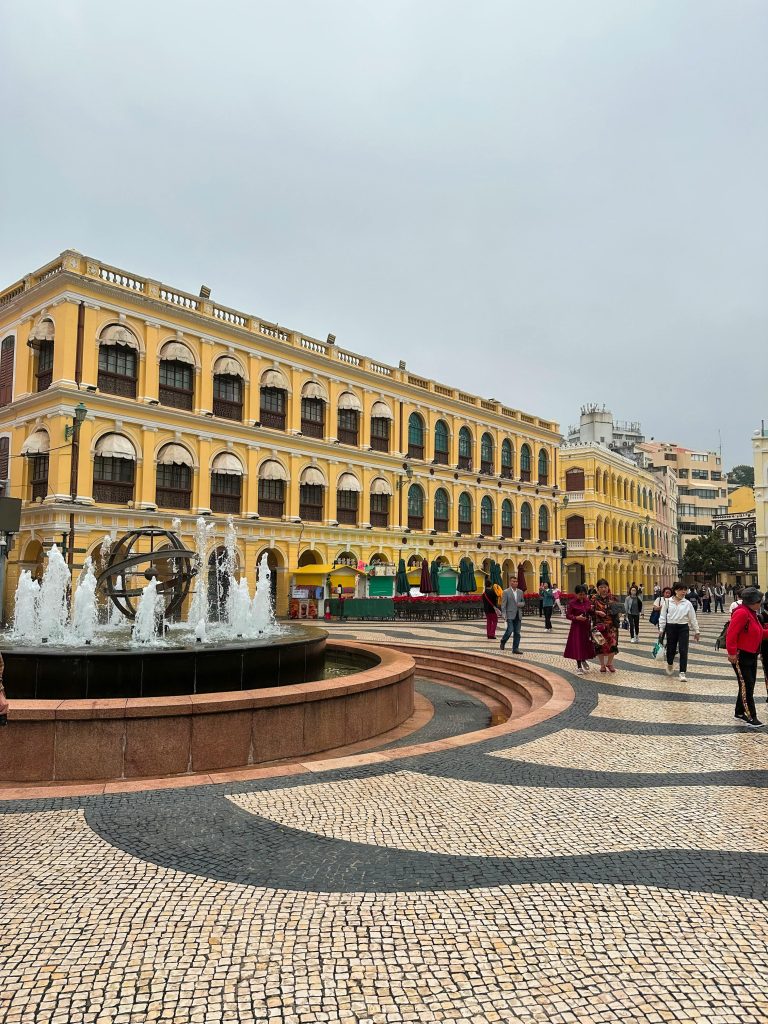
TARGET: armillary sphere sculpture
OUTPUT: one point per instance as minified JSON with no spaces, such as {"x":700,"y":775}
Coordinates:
{"x":163,"y":558}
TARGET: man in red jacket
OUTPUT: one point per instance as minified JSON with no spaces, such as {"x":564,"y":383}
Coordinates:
{"x":743,"y":639}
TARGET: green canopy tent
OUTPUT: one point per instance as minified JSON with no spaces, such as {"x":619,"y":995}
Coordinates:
{"x":401,"y":580}
{"x":467,"y":583}
{"x":544,"y":577}
{"x":495,"y":574}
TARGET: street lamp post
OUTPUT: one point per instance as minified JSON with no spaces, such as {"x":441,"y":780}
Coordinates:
{"x":73,"y":433}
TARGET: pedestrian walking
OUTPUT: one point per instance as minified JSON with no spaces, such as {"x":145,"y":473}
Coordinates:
{"x":664,"y":595}
{"x":678,"y":618}
{"x":633,"y":607}
{"x":692,"y":595}
{"x":719,"y":596}
{"x":557,"y":594}
{"x":512,"y":601}
{"x":491,"y":609}
{"x":579,"y":645}
{"x":736,"y":601}
{"x":706,"y":599}
{"x":547,"y":604}
{"x":605,"y":626}
{"x":743,"y":642}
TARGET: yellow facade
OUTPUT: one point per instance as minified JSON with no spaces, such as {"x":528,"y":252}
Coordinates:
{"x":94,"y":319}
{"x":615,"y":519}
{"x":760,"y":457}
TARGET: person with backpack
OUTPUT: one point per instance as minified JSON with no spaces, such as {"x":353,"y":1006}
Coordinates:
{"x":678,"y":618}
{"x":744,"y":640}
{"x":662,"y":597}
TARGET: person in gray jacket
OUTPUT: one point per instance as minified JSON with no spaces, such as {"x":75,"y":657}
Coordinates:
{"x":512,"y":600}
{"x":633,"y":607}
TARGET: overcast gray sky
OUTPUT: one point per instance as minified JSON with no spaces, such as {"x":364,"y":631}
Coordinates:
{"x":547,"y":202}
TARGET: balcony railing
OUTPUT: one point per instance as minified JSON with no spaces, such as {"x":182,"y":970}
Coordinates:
{"x":44,"y":380}
{"x":441,"y":525}
{"x":506,"y":472}
{"x":347,"y":516}
{"x":543,"y":478}
{"x":441,"y":458}
{"x":576,"y":544}
{"x":271,"y":509}
{"x":525,"y":475}
{"x":167,"y":497}
{"x":486,"y":529}
{"x":379,"y":444}
{"x":380,"y":519}
{"x":486,"y":467}
{"x":348,"y":437}
{"x":116,"y":384}
{"x":39,"y":489}
{"x":465,"y":526}
{"x":275,"y":420}
{"x":415,"y":522}
{"x":175,"y":398}
{"x":311,"y":513}
{"x":465,"y":462}
{"x":229,"y":504}
{"x":311,"y":428}
{"x":506,"y":531}
{"x":574,"y":496}
{"x":112,"y":493}
{"x":227,"y":409}
{"x":415,"y":451}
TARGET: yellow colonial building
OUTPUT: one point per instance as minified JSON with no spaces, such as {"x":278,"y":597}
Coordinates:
{"x":192,"y":409}
{"x":616,"y":520}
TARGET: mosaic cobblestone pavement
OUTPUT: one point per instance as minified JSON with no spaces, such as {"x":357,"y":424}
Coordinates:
{"x":608,"y":865}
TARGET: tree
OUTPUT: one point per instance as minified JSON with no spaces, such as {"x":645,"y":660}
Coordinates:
{"x":743,"y":476}
{"x":708,"y":555}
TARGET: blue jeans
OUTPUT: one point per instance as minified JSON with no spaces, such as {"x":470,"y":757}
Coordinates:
{"x":513,"y":626}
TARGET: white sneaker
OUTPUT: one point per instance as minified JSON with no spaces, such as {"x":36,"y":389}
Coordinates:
{"x":670,"y":669}
{"x":683,"y":677}
{"x":633,"y":639}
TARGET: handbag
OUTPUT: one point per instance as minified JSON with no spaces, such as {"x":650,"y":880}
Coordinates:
{"x":658,"y":652}
{"x":625,"y":623}
{"x":597,"y":638}
{"x":654,"y":617}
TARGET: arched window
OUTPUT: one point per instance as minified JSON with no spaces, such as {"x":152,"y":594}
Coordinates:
{"x":226,"y":484}
{"x":598,"y":480}
{"x":415,"y":436}
{"x":118,"y":361}
{"x":7,"y":352}
{"x":507,"y":459}
{"x":347,"y":499}
{"x":486,"y":516}
{"x":440,"y":507}
{"x":349,"y":412}
{"x":40,"y":340}
{"x":381,"y":416}
{"x":752,"y":559}
{"x":313,"y":399}
{"x":273,"y":398}
{"x":415,"y":507}
{"x":465,"y":448}
{"x":723,"y":531}
{"x":650,"y":500}
{"x":525,"y":521}
{"x":176,"y":384}
{"x":575,"y":528}
{"x":741,"y":560}
{"x":486,"y":454}
{"x":381,"y":493}
{"x":543,"y":523}
{"x":543,"y":467}
{"x":311,"y":495}
{"x":626,"y":490}
{"x":174,"y":477}
{"x":574,"y":479}
{"x":738,"y":534}
{"x":272,"y":481}
{"x":36,"y":449}
{"x":507,"y":518}
{"x":228,"y":389}
{"x":114,"y":470}
{"x":465,"y":513}
{"x":525,"y":462}
{"x":653,"y":540}
{"x":645,"y":498}
{"x":442,"y":443}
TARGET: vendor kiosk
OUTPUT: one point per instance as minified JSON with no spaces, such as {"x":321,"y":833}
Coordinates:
{"x":312,"y":585}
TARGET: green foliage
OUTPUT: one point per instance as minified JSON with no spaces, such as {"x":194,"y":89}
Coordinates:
{"x":744,"y":476}
{"x":708,"y":555}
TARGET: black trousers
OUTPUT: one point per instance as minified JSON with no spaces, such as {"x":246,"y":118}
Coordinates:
{"x":547,"y":617}
{"x":634,"y":625}
{"x":746,"y":673}
{"x":677,"y":640}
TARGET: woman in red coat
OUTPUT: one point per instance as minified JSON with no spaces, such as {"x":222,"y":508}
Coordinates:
{"x":579,"y":645}
{"x":743,"y":641}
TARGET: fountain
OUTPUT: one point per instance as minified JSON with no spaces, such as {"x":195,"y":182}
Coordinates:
{"x":126,"y":686}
